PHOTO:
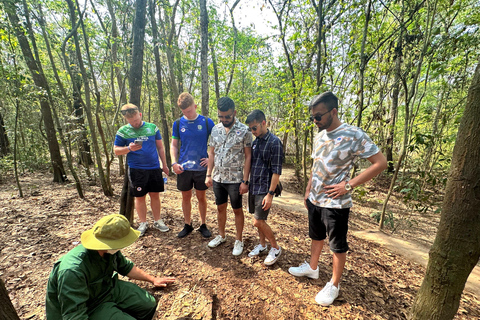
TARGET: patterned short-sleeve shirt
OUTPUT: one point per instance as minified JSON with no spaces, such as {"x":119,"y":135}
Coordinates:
{"x":229,"y":151}
{"x":333,"y":156}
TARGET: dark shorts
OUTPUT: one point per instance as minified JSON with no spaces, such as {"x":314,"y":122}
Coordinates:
{"x":144,"y":181}
{"x":331,"y":222}
{"x":223,"y":190}
{"x":255,"y":206}
{"x":189,"y":179}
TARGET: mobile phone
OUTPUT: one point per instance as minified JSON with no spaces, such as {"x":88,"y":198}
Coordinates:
{"x":140,"y":142}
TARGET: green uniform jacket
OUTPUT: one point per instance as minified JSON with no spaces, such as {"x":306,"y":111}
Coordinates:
{"x":81,"y":280}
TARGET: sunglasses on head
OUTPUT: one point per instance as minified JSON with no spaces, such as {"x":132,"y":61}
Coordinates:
{"x":228,"y":117}
{"x":129,"y":111}
{"x":254,"y":128}
{"x":318,"y":117}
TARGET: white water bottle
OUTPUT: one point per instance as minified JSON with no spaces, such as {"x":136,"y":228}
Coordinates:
{"x":188,"y":164}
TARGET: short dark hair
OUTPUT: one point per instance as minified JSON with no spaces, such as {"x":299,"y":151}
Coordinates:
{"x":225,"y":104}
{"x":328,"y":98}
{"x":256,"y":115}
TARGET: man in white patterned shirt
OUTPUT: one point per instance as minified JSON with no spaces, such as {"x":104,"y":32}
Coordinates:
{"x":230,"y":150}
{"x":328,"y":194}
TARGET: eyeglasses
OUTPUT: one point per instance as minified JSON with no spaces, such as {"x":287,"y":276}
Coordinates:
{"x":318,"y":117}
{"x":254,"y":128}
{"x":228,"y":117}
{"x":129,"y":111}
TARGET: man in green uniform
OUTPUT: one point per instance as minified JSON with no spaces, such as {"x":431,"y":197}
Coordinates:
{"x":84,"y":283}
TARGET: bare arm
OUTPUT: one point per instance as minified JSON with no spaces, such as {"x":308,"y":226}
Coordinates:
{"x":378,"y":164}
{"x":267,"y":200}
{"x":174,"y":152}
{"x":119,"y":151}
{"x":138,"y":274}
{"x":246,"y":169}
{"x":211,"y":164}
{"x":161,"y":153}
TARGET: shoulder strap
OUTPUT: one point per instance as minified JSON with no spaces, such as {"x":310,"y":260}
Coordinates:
{"x":177,"y":128}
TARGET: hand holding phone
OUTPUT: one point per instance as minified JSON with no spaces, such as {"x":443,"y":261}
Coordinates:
{"x":138,"y":142}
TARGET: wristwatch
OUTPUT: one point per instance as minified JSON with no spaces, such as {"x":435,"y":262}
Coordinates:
{"x":246,"y":182}
{"x":270,"y":192}
{"x":348,"y":187}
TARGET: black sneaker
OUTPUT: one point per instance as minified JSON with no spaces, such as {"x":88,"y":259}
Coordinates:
{"x":187,"y":229}
{"x":204,"y":231}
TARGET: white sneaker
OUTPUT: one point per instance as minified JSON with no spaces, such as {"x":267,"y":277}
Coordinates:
{"x":327,"y":295}
{"x":273,"y":256}
{"x":257,"y":250}
{"x":142,"y":227}
{"x":304,"y":270}
{"x":217,"y":241}
{"x":160,"y":225}
{"x":237,"y":248}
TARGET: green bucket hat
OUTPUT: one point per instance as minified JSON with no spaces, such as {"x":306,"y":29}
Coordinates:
{"x":110,"y":233}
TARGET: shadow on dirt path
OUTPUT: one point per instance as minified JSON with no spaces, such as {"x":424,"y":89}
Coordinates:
{"x":414,"y":252}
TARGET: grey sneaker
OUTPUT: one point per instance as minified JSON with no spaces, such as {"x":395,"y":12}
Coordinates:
{"x":257,"y":250}
{"x":142,"y":227}
{"x":273,"y":256}
{"x":160,"y":225}
{"x":327,"y":295}
{"x":304,"y":270}
{"x":237,"y":248}
{"x":217,"y":241}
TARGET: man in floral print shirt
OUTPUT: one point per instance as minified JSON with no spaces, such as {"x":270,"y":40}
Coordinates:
{"x":229,"y":156}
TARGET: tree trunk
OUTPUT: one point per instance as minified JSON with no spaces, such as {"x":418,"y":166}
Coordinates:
{"x":136,"y":73}
{"x":7,"y":311}
{"x":456,"y":249}
{"x":235,"y":37}
{"x":204,"y":55}
{"x":4,"y":143}
{"x":158,"y":66}
{"x":363,"y":65}
{"x":136,"y":70}
{"x":41,"y":82}
{"x":107,"y":190}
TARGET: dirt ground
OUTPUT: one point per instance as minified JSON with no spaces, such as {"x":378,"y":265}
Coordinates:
{"x":212,"y":283}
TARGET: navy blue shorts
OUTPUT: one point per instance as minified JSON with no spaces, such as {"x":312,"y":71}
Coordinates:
{"x":223,"y":190}
{"x":331,"y":222}
{"x":144,"y":181}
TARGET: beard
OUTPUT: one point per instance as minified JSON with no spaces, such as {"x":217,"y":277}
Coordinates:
{"x":228,"y":124}
{"x":326,"y":125}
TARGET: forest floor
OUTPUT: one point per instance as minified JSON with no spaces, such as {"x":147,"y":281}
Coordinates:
{"x":378,"y":282}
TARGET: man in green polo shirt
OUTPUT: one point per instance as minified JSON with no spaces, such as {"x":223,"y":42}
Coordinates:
{"x":84,"y":283}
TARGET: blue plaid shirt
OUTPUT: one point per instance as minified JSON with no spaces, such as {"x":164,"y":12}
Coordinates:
{"x":267,"y":158}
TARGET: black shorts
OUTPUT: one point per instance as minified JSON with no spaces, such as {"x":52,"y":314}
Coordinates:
{"x":189,"y":179}
{"x":334,"y":222}
{"x":223,"y":190}
{"x":255,"y":206}
{"x":144,"y":181}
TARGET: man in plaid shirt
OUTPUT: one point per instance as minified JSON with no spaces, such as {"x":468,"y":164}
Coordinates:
{"x":266,"y":168}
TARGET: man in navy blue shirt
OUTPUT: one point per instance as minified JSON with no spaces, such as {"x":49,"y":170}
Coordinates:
{"x":191,"y":132}
{"x":266,"y":168}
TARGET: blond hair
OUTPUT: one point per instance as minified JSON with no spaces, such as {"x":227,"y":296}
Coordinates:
{"x":130,"y":106}
{"x":185,"y":100}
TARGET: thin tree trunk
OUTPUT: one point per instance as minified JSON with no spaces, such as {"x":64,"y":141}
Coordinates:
{"x":40,"y":81}
{"x":235,"y":37}
{"x":4,"y":143}
{"x":363,"y":65}
{"x":17,"y":179}
{"x":204,"y":56}
{"x":107,"y":190}
{"x":136,"y":74}
{"x":452,"y":258}
{"x":158,"y":66}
